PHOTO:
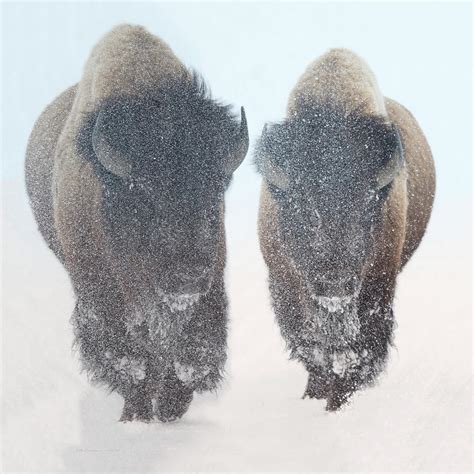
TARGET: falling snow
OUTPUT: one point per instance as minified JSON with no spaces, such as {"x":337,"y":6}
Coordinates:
{"x":55,"y":421}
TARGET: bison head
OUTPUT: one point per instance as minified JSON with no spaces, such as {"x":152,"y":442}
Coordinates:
{"x":329,"y":174}
{"x":165,"y":161}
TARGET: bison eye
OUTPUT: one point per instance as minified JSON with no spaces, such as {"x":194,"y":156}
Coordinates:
{"x":379,"y":195}
{"x":383,"y":192}
{"x":276,"y":192}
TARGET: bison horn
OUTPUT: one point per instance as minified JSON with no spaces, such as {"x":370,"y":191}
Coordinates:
{"x":242,"y":144}
{"x":111,"y":159}
{"x":393,"y":165}
{"x":272,"y":172}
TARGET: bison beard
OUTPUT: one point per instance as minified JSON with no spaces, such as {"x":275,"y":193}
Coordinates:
{"x":155,"y":362}
{"x":343,"y":347}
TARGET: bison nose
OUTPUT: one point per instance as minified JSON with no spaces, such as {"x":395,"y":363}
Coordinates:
{"x":194,"y":281}
{"x":342,"y":286}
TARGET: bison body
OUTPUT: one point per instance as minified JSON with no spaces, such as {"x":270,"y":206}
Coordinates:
{"x":347,"y":193}
{"x":126,"y":174}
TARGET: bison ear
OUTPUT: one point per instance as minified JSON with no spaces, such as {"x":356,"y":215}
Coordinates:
{"x":111,"y":157}
{"x":241,"y":145}
{"x":272,"y":173}
{"x":395,"y":161}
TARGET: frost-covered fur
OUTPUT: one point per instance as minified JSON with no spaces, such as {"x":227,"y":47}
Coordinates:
{"x":151,"y":348}
{"x":334,"y":242}
{"x":145,"y":250}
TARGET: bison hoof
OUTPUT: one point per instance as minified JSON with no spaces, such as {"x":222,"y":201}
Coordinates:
{"x":172,"y":406}
{"x":337,"y":399}
{"x":137,"y":408}
{"x":173,"y":400}
{"x":318,"y":387}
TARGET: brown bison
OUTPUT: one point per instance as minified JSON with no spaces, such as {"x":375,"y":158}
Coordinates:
{"x":348,"y":187}
{"x":126,"y":174}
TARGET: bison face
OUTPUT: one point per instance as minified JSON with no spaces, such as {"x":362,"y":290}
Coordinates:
{"x":165,"y":163}
{"x":329,"y":175}
{"x":166,"y":233}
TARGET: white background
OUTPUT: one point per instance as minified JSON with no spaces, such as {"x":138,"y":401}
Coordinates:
{"x":418,"y":417}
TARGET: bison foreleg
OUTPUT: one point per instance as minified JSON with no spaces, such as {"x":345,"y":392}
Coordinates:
{"x":112,"y":358}
{"x":358,"y":366}
{"x":201,"y":355}
{"x":173,"y":398}
{"x":318,"y":385}
{"x":137,"y":406}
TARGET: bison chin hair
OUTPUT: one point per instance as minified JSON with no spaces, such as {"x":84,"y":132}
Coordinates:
{"x":174,"y":297}
{"x":180,"y":302}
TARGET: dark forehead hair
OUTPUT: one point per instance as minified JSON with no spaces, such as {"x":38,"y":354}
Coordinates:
{"x":168,"y":133}
{"x":325,"y":145}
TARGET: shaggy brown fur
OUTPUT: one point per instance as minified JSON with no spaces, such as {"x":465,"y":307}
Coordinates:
{"x":342,"y":79}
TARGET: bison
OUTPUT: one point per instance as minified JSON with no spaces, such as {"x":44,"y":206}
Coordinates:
{"x":126,"y":174}
{"x":348,"y":187}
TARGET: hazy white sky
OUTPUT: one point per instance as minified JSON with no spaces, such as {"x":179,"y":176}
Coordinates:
{"x":252,"y":54}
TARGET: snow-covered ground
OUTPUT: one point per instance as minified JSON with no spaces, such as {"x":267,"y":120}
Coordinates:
{"x":418,"y":417}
